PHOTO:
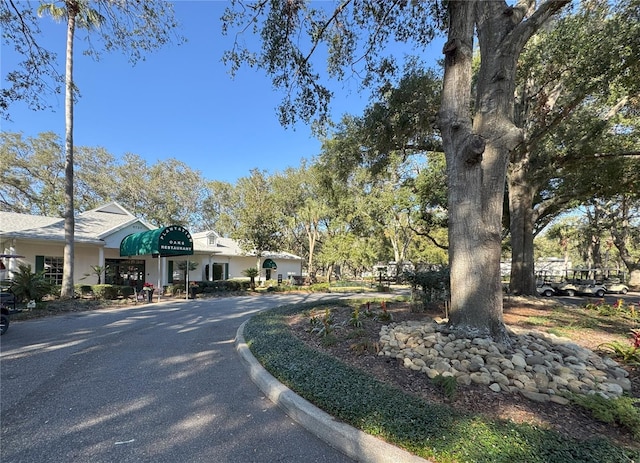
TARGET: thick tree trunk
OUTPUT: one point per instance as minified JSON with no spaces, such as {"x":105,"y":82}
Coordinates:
{"x":620,"y":233}
{"x":477,"y":151}
{"x":67,"y":290}
{"x":521,"y":194}
{"x":476,"y":176}
{"x":477,"y":155}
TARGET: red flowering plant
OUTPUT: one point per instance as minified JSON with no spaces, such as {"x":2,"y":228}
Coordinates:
{"x":147,"y":287}
{"x":627,"y":354}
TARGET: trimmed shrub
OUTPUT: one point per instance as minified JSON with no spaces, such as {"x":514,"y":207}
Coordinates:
{"x":175,"y":289}
{"x":107,"y":292}
{"x":320,"y":288}
{"x":125,"y":291}
{"x":83,"y":290}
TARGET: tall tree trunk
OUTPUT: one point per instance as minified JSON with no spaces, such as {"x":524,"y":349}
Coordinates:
{"x":521,"y":194}
{"x":312,"y":237}
{"x":620,"y":232}
{"x":477,"y":152}
{"x":473,"y":171}
{"x":67,"y":290}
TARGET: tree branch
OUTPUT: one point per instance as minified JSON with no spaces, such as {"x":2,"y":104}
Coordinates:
{"x":521,"y":34}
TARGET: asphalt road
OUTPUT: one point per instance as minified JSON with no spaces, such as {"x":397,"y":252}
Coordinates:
{"x":149,"y":383}
{"x":629,"y":298}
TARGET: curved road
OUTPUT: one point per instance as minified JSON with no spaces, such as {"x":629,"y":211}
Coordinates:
{"x":148,"y":383}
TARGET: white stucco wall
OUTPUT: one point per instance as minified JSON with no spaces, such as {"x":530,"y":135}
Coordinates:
{"x":114,"y":240}
{"x":237,"y":264}
{"x":90,"y":255}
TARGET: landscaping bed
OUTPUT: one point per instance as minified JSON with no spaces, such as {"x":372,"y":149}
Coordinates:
{"x":358,"y":347}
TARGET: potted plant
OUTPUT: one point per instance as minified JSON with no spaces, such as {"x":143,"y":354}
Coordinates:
{"x":193,"y":288}
{"x":148,"y":291}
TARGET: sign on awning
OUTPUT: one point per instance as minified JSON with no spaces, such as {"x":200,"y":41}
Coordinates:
{"x":174,"y":240}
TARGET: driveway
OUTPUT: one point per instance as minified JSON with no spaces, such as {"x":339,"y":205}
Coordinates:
{"x":629,"y":298}
{"x":149,"y":383}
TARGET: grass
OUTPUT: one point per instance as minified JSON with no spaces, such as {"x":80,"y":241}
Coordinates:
{"x":576,"y":322}
{"x":428,"y":430}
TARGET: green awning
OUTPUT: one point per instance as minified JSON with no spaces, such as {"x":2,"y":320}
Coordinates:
{"x":268,"y":263}
{"x":173,"y":240}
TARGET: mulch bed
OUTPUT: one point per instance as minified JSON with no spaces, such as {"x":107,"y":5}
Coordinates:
{"x":360,"y":352}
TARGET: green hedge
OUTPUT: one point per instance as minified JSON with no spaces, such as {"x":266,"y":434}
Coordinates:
{"x":425,"y":429}
{"x":108,"y":292}
{"x":125,"y":291}
{"x":104,"y":291}
{"x":222,"y":286}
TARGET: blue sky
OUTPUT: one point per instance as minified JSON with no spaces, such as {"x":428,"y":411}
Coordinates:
{"x":180,"y":103}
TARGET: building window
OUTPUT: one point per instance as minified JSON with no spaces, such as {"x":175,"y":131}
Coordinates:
{"x":211,"y":240}
{"x":125,"y":272}
{"x":53,"y":267}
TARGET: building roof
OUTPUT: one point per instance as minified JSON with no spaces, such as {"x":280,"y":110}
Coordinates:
{"x":212,"y":243}
{"x":96,"y":225}
{"x":90,"y":226}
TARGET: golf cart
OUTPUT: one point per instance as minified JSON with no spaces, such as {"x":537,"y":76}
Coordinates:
{"x":590,"y":283}
{"x":614,"y":283}
{"x":543,"y":284}
{"x":565,"y":285}
{"x":545,"y":289}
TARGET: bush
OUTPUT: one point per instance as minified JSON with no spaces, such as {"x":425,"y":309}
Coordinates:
{"x":175,"y":289}
{"x":29,"y":286}
{"x":221,"y":286}
{"x":621,"y":410}
{"x":106,"y":292}
{"x":125,"y":291}
{"x":55,"y":291}
{"x":83,"y":290}
{"x":434,"y":284}
{"x":320,"y":288}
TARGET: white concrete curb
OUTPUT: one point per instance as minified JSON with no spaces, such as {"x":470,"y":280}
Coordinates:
{"x":349,"y":440}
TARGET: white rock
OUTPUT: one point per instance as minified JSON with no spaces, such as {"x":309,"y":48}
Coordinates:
{"x":518,"y":361}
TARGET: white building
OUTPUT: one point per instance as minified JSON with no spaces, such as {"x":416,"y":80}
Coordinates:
{"x":100,"y":241}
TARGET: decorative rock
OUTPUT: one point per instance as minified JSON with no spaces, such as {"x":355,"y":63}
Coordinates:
{"x":559,"y":400}
{"x":540,"y":366}
{"x":541,"y":379}
{"x":421,"y":350}
{"x":536,"y":396}
{"x":431,"y":373}
{"x":518,"y":361}
{"x":441,"y":366}
{"x":463,"y":379}
{"x":613,"y":388}
{"x":624,"y":383}
{"x":480,"y":378}
{"x":500,"y":378}
{"x":495,"y":387}
{"x":535,"y":360}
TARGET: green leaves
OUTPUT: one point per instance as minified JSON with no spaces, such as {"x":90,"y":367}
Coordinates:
{"x":353,"y":37}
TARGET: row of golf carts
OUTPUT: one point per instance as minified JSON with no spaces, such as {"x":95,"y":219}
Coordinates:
{"x":582,"y":282}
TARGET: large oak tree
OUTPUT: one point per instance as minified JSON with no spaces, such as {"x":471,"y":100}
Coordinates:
{"x":577,"y":105}
{"x":478,"y":134}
